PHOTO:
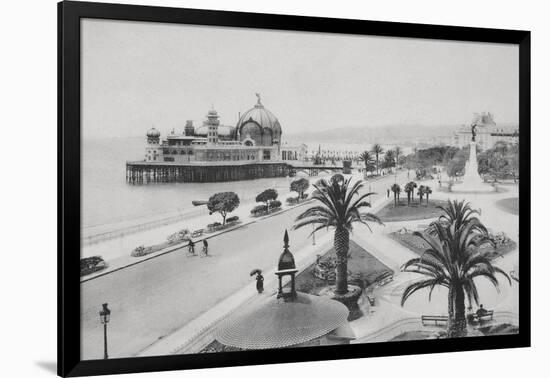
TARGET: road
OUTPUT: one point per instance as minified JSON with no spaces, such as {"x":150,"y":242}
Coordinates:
{"x":155,"y":298}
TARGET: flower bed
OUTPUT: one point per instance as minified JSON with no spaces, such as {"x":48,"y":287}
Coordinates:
{"x":261,"y":210}
{"x":503,"y":244}
{"x":89,"y":265}
{"x":217,"y":226}
{"x":291,"y":201}
{"x":181,"y":236}
{"x":363,"y":270}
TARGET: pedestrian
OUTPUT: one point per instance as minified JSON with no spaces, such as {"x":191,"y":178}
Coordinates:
{"x":191,"y":247}
{"x":388,"y":193}
{"x":481,"y":311}
{"x":259,"y":283}
{"x":205,"y":248}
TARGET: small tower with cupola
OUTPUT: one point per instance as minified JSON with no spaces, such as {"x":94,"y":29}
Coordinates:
{"x":152,"y":151}
{"x":212,"y":122}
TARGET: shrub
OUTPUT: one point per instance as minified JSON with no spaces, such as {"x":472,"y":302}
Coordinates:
{"x":89,"y":265}
{"x":142,"y":251}
{"x":275,"y":204}
{"x":257,"y":210}
{"x":180,"y":236}
{"x":232,"y":219}
{"x":292,"y":200}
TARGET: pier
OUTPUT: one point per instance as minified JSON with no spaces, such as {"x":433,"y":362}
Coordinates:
{"x":144,"y":172}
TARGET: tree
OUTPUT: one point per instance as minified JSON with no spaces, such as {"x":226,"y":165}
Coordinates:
{"x":367,"y":158}
{"x":389,"y":159}
{"x":299,"y":186}
{"x":452,"y":260}
{"x":377,"y":150}
{"x":340,"y":205}
{"x":267,"y":196}
{"x":223,"y":203}
{"x":398,"y":153}
{"x":409,"y":189}
{"x":421,"y":192}
{"x":396,"y":189}
{"x":427,"y":191}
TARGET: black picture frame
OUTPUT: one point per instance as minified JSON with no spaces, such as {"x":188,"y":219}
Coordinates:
{"x":69,"y":16}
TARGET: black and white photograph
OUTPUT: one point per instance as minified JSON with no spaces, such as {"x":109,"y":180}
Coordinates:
{"x":247,"y":189}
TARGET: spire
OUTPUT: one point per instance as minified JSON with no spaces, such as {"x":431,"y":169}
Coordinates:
{"x":285,"y":239}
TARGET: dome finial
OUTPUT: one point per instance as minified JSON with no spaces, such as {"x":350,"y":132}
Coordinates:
{"x":259,"y":104}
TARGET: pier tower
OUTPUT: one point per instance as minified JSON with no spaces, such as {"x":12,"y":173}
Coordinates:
{"x":212,"y":121}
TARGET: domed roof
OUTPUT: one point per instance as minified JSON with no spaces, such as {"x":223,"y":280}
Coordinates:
{"x":273,"y":323}
{"x":153,"y":133}
{"x":260,"y":115}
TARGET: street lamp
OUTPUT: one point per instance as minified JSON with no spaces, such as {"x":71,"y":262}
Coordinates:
{"x":104,"y":316}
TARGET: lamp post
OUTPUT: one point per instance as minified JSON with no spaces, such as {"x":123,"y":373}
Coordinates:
{"x":104,"y":316}
{"x":313,"y":235}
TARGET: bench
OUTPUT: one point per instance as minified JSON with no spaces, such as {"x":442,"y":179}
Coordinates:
{"x":475,"y":318}
{"x":434,"y":318}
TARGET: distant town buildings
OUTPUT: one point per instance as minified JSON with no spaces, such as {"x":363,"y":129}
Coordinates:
{"x":487,"y":132}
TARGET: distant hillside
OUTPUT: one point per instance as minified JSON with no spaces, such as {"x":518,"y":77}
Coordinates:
{"x":383,"y":134}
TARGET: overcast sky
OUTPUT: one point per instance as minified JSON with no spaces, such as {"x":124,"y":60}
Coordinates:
{"x":136,"y":75}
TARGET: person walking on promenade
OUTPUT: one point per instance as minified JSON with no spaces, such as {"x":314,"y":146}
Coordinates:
{"x":191,"y":248}
{"x":259,"y":283}
{"x":205,"y":248}
{"x":388,"y":193}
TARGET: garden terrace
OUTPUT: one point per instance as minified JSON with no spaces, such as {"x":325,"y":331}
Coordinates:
{"x":417,"y":245}
{"x":363,"y":267}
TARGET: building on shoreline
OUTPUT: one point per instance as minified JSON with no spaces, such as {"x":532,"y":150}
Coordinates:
{"x":487,"y":132}
{"x":216,"y":152}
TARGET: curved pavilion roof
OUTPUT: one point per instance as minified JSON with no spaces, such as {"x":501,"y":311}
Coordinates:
{"x":261,"y":116}
{"x":277,"y":324}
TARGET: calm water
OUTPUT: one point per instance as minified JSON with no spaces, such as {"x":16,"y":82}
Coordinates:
{"x":108,"y":199}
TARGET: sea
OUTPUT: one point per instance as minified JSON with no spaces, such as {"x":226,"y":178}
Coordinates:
{"x":109,"y":202}
{"x":107,"y":199}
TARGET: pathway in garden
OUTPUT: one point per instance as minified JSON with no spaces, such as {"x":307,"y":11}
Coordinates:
{"x":387,"y":318}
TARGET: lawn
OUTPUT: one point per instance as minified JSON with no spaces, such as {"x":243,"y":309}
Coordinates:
{"x":510,"y":205}
{"x":363,"y":267}
{"x":416,"y":210}
{"x":415,"y":335}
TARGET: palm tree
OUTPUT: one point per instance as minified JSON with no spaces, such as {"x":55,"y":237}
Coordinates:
{"x":377,"y":150}
{"x":409,"y":189}
{"x":421,"y":192}
{"x":452,"y":260}
{"x":427,"y":191}
{"x":338,"y":208}
{"x":397,"y":151}
{"x":389,"y":159}
{"x":366,"y":157}
{"x":396,"y":189}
